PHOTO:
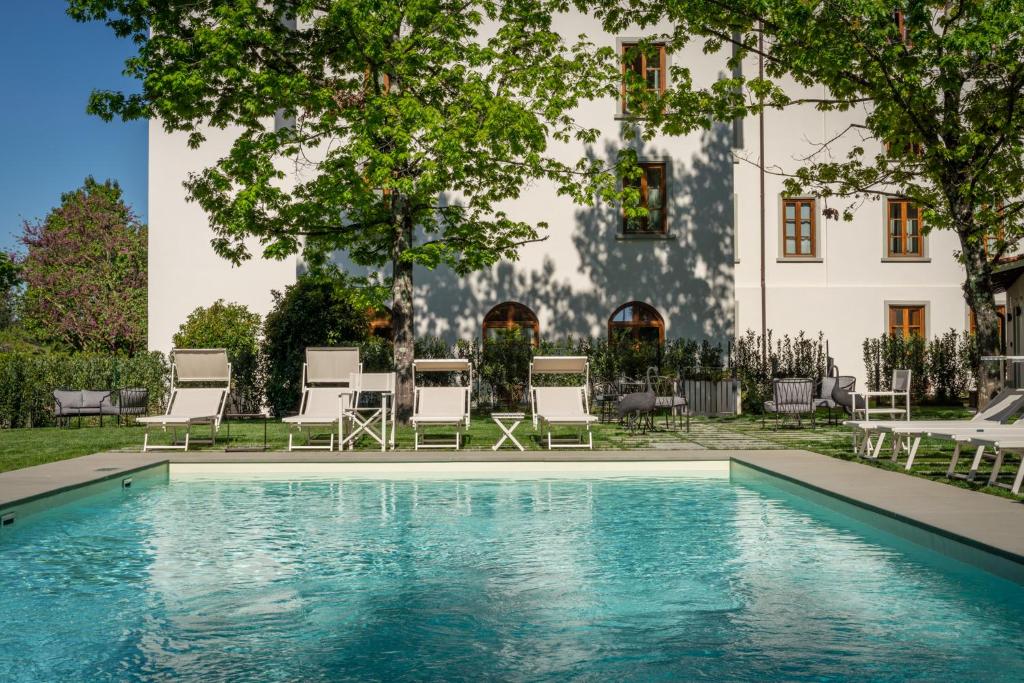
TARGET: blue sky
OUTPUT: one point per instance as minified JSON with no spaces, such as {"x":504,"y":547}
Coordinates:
{"x":48,"y":66}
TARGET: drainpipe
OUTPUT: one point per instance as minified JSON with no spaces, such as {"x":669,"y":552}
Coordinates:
{"x":760,"y":165}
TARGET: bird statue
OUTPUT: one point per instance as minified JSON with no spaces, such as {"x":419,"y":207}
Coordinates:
{"x":635,"y":409}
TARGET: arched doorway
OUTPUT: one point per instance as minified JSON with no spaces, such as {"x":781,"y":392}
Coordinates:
{"x":512,"y":315}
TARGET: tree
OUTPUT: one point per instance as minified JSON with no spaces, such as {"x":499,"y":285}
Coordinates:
{"x":85,"y":272}
{"x":407,"y":122}
{"x":320,"y":309}
{"x":233,"y":327}
{"x":10,"y":279}
{"x":940,"y":82}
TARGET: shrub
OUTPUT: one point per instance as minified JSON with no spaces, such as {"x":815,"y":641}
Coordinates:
{"x":941,"y":370}
{"x":27,"y":381}
{"x":798,"y":356}
{"x":235,"y":328}
{"x":318,"y":310}
{"x":505,"y":366}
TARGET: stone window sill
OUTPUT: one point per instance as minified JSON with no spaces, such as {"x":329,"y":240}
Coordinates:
{"x":906,"y":259}
{"x":800,"y":259}
{"x":643,"y":237}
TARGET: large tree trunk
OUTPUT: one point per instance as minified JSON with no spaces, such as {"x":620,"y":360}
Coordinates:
{"x":981,"y":299}
{"x":402,"y":319}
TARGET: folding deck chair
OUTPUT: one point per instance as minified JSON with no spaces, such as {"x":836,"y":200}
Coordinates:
{"x":192,"y":400}
{"x":371,"y":420}
{"x":565,"y":405}
{"x":440,"y":406}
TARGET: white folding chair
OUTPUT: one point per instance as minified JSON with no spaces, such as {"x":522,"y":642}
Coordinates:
{"x":371,"y":420}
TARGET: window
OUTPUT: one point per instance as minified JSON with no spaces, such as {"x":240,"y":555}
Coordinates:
{"x":646,"y":66}
{"x":798,"y":238}
{"x":651,"y":185}
{"x":380,"y":323}
{"x":906,"y":321}
{"x":899,"y":21}
{"x":512,"y":316}
{"x":638,"y":322}
{"x":904,"y":229}
{"x":1001,"y":312}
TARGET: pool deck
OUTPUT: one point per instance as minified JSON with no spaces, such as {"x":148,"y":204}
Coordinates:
{"x":978,"y":519}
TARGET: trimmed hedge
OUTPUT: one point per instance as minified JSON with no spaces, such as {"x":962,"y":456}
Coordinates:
{"x":27,"y":381}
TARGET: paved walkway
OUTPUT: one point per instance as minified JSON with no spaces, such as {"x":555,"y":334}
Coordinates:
{"x":974,"y":518}
{"x":20,"y":486}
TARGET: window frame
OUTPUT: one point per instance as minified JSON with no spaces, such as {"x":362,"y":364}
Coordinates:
{"x":784,"y":254}
{"x":633,"y":327}
{"x":906,"y":306}
{"x":904,"y":255}
{"x":511,"y":322}
{"x":626,"y":44}
{"x":644,"y":197}
{"x":381,"y":322}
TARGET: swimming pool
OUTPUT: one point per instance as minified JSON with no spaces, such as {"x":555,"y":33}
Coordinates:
{"x":321,"y":578}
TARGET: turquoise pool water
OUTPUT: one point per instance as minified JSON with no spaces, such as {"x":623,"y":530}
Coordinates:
{"x":608,"y":579}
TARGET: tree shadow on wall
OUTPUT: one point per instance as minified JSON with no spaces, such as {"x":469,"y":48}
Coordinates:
{"x":687,"y":277}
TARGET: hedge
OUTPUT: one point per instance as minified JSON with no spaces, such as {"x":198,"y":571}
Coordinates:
{"x":27,"y":381}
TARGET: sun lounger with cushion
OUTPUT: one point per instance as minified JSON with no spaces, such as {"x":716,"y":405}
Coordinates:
{"x":192,"y":401}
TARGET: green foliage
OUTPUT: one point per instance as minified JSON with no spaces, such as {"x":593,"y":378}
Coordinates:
{"x":27,"y":381}
{"x":10,"y":279}
{"x":505,"y":366}
{"x":85,"y":273}
{"x":798,"y":356}
{"x":402,"y":115}
{"x":941,"y":370}
{"x":233,"y":327}
{"x":318,"y":310}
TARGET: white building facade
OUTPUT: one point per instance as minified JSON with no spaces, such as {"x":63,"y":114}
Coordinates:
{"x":692,"y":270}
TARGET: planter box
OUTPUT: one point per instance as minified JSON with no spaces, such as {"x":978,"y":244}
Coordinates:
{"x":713,"y":397}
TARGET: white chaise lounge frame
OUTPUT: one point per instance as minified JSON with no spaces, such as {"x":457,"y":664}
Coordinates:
{"x":907,"y":434}
{"x":564,"y":405}
{"x":192,"y":401}
{"x":440,"y":406}
{"x":328,"y":378}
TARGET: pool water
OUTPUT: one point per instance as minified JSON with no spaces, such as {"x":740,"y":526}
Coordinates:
{"x":604,"y":579}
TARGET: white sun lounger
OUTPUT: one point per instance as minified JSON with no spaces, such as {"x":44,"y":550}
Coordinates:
{"x":328,"y":386}
{"x":440,"y":406}
{"x":321,"y":407}
{"x":869,"y":435}
{"x":192,"y":405}
{"x":1003,"y":444}
{"x":562,"y":406}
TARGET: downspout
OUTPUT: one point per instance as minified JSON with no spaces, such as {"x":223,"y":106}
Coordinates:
{"x":760,"y":166}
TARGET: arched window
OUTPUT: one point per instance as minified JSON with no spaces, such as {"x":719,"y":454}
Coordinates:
{"x":638,"y":322}
{"x":512,"y":316}
{"x":380,"y":323}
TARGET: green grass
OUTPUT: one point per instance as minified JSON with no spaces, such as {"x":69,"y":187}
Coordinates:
{"x":25,"y":447}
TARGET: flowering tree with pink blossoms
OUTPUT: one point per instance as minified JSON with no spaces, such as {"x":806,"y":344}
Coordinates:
{"x":85,"y":273}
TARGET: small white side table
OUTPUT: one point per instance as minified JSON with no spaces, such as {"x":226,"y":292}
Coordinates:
{"x":503,"y":420}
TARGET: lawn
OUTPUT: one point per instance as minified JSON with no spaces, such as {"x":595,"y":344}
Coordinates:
{"x":25,"y":447}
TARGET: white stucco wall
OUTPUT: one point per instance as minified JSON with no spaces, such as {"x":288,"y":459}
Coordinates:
{"x":704,"y":277}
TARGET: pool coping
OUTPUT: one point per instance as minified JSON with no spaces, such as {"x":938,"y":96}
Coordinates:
{"x":961,"y":515}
